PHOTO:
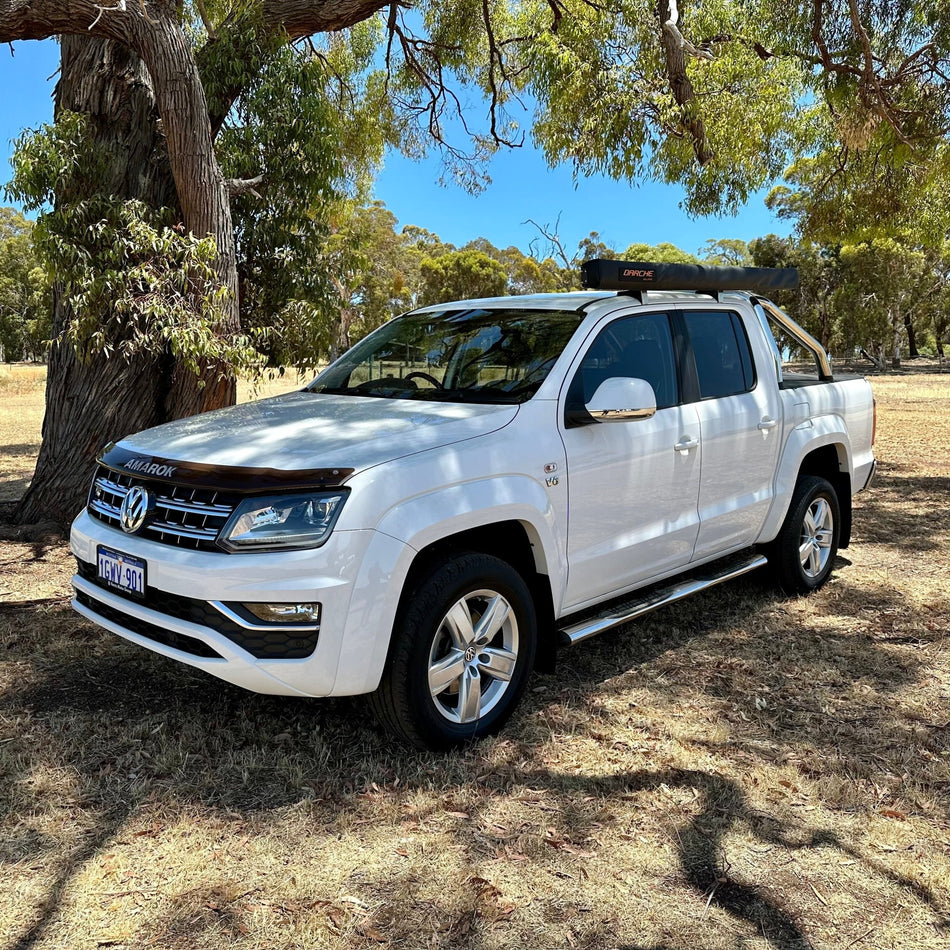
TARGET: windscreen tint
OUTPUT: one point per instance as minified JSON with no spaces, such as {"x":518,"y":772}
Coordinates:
{"x":494,"y":356}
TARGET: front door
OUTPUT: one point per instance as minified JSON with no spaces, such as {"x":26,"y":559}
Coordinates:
{"x":633,"y":487}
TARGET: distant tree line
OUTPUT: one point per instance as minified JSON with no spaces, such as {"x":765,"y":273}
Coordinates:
{"x":881,"y":300}
{"x":25,"y":300}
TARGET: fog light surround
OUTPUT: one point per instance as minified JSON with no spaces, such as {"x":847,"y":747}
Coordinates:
{"x":285,"y":613}
{"x":268,"y":616}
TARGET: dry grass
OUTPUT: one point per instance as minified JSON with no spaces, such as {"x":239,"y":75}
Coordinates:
{"x":22,"y":387}
{"x":739,"y":771}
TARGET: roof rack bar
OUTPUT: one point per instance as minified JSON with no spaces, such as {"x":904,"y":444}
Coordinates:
{"x":631,"y":275}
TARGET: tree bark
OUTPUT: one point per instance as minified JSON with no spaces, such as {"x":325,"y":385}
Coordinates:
{"x":912,"y":351}
{"x":896,"y":348}
{"x":691,"y":121}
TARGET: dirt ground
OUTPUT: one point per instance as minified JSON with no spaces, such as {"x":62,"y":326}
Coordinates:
{"x":741,"y":770}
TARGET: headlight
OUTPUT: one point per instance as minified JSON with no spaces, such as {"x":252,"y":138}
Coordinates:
{"x":282,"y":521}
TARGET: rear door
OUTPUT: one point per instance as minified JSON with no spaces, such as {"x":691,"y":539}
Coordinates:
{"x":633,"y":486}
{"x":740,"y":423}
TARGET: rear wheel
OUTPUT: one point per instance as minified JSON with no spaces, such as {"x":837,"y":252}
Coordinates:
{"x":462,"y":648}
{"x":804,"y":552}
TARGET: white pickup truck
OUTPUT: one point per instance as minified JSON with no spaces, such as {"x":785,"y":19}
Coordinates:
{"x":476,"y":484}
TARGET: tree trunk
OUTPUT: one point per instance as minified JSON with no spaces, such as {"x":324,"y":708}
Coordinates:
{"x":896,"y":348}
{"x":690,"y":120}
{"x":912,"y":351}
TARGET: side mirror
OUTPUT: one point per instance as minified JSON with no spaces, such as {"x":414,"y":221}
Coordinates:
{"x":620,"y":399}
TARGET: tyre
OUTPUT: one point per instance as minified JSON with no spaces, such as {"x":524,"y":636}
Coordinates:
{"x":463,"y":645}
{"x":803,"y":553}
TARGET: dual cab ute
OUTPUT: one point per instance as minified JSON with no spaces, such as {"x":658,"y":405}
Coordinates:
{"x":476,"y":484}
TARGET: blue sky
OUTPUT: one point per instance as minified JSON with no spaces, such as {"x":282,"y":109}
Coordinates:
{"x":522,"y":185}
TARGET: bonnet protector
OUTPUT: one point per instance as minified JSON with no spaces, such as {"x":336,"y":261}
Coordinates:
{"x":231,"y":478}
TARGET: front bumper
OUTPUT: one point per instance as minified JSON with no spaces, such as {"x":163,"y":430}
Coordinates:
{"x":181,"y":616}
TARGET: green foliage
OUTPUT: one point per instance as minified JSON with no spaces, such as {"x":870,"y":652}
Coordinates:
{"x":886,"y":286}
{"x":458,"y":275}
{"x":605,"y":102}
{"x":880,"y":297}
{"x":25,"y":300}
{"x":131,"y":281}
{"x":282,"y":121}
{"x":662,"y":253}
{"x":374,"y":272}
{"x":592,"y":247}
{"x":866,"y":195}
{"x":526,"y":274}
{"x":812,"y":304}
{"x":727,"y":252}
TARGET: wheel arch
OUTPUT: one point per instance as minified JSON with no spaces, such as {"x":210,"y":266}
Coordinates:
{"x":831,"y":463}
{"x":823,"y":449}
{"x":513,"y":541}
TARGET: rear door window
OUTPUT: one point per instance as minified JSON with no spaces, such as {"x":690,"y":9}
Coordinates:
{"x":722,"y":354}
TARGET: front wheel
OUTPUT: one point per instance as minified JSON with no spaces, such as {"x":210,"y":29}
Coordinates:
{"x":463,"y":645}
{"x":803,"y":553}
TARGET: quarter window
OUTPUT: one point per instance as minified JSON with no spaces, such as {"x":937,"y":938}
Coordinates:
{"x":721,"y":350}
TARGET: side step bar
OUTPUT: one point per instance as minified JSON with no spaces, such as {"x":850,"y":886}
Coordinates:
{"x":605,"y":616}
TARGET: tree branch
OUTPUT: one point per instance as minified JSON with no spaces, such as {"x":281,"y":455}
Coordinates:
{"x":205,"y":19}
{"x":41,"y":19}
{"x":554,"y":240}
{"x":690,"y":122}
{"x":243,"y":186}
{"x":670,"y":26}
{"x":496,"y":60}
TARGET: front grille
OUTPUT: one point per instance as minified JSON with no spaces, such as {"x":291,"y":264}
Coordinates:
{"x":184,"y":517}
{"x":271,"y":644}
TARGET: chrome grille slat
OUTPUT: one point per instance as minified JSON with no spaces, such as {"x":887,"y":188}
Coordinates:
{"x":163,"y":527}
{"x":114,"y":488}
{"x":103,"y":508}
{"x":193,"y":507}
{"x":184,"y":517}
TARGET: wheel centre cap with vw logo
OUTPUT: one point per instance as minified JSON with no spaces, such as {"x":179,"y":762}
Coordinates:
{"x":135,"y":509}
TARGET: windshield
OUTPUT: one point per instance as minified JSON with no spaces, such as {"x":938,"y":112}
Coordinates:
{"x":495,"y":356}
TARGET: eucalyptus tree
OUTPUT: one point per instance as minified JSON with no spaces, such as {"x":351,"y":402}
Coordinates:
{"x":726,"y":251}
{"x":662,"y":253}
{"x":457,"y":275}
{"x":813,"y":302}
{"x":887,"y":287}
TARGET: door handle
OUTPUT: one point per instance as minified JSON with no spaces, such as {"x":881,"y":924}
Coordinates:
{"x":767,"y":423}
{"x":685,"y":444}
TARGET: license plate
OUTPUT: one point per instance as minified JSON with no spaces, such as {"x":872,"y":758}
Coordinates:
{"x":121,"y":572}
